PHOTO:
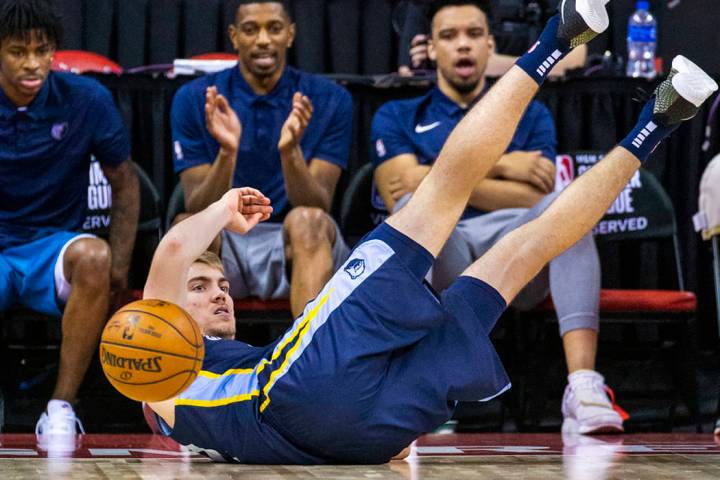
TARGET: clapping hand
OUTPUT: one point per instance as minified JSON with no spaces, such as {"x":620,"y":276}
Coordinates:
{"x":296,"y":123}
{"x":221,"y":120}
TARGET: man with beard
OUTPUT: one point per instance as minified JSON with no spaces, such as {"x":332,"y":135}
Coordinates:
{"x":408,"y":136}
{"x":286,"y":132}
{"x":51,"y":125}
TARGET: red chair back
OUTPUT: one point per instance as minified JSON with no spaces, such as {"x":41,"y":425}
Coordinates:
{"x":78,"y":61}
{"x":215,"y":56}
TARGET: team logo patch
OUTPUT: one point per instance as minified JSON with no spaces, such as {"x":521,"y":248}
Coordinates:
{"x":59,"y":130}
{"x":380,"y":147}
{"x":355,"y":267}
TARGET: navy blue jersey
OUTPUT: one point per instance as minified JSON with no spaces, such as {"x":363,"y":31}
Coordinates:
{"x":45,"y":153}
{"x":375,"y":361}
{"x":420,"y":126}
{"x":327,"y":136}
{"x":220,"y":411}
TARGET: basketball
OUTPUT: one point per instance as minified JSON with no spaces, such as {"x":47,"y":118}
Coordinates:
{"x":151,"y":350}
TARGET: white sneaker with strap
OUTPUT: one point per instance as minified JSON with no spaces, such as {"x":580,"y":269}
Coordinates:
{"x":588,"y":408}
{"x":57,"y":428}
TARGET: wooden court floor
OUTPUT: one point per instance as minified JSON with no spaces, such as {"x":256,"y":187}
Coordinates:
{"x":455,"y":456}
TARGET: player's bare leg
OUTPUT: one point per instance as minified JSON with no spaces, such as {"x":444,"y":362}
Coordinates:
{"x":309,"y":237}
{"x":87,"y":263}
{"x":580,"y":347}
{"x":483,"y":135}
{"x":520,"y":255}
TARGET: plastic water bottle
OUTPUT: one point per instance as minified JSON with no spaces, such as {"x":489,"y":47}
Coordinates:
{"x":641,"y":42}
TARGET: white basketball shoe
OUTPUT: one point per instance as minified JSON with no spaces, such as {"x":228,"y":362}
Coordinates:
{"x":587,"y":408}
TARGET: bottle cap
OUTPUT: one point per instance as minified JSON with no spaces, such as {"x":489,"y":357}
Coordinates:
{"x":643,"y":5}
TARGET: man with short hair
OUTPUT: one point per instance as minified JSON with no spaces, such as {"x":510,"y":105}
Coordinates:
{"x":408,"y":136}
{"x":377,"y":359}
{"x":51,"y":124}
{"x":278,"y":129}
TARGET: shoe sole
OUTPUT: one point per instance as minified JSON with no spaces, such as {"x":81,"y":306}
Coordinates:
{"x":691,"y":82}
{"x":608,"y":425}
{"x":679,"y":97}
{"x":582,"y":20}
{"x":603,"y":429}
{"x":594,"y":14}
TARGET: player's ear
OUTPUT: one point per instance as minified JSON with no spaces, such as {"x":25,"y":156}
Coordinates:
{"x":432,"y":54}
{"x":233,"y":34}
{"x":291,"y":35}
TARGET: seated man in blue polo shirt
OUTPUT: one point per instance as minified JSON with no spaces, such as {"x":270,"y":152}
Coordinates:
{"x":407,"y":137}
{"x":51,"y":124}
{"x":277,"y":129}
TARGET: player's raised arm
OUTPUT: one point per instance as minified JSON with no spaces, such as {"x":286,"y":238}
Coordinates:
{"x":239,"y":210}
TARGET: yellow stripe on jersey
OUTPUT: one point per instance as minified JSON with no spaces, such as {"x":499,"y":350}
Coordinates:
{"x":232,"y":371}
{"x":218,"y":402}
{"x":297,"y":328}
{"x":301,"y":333}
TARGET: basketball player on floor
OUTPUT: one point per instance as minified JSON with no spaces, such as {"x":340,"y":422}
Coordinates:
{"x":376,"y":359}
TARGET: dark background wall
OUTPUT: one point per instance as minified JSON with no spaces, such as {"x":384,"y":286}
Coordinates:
{"x":338,"y":36}
{"x":335,"y":36}
{"x":688,"y":27}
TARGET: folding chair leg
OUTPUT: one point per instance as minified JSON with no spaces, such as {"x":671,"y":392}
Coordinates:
{"x":688,"y":378}
{"x":716,"y":271}
{"x":539,"y":357}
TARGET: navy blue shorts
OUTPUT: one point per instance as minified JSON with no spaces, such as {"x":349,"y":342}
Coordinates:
{"x":377,"y":359}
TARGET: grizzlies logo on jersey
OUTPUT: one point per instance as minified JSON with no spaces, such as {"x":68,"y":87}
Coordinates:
{"x":355,"y":268}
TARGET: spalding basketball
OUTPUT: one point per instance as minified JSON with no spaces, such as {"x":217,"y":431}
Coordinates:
{"x":151,"y":350}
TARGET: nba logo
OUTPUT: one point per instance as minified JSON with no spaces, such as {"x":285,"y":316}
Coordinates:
{"x":564,"y":172}
{"x":129,"y":331}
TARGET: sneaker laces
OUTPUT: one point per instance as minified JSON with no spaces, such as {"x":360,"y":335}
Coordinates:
{"x":620,"y":411}
{"x":43,"y":425}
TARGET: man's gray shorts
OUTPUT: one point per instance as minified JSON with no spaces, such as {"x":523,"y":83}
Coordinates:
{"x":473,"y":237}
{"x":255,"y":263}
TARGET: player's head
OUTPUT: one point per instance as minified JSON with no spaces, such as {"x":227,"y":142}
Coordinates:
{"x":30,"y":32}
{"x":208,"y":297}
{"x":460,"y":41}
{"x":261,"y":34}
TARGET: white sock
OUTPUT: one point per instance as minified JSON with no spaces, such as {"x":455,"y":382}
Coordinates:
{"x":584,"y":374}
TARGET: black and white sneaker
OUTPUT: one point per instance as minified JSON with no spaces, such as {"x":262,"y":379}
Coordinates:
{"x":582,"y":20}
{"x":681,"y":94}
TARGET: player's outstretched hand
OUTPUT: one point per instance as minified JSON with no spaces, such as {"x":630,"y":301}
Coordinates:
{"x":296,"y":123}
{"x":248,"y":207}
{"x":221,"y":120}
